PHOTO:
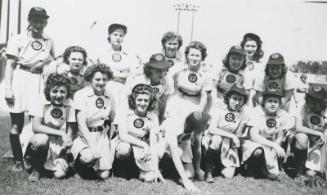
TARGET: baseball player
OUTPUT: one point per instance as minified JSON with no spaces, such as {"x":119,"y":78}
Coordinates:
{"x":27,"y":53}
{"x":94,"y":108}
{"x":171,"y":43}
{"x":50,"y":133}
{"x":225,"y":129}
{"x":138,"y":132}
{"x":276,"y":77}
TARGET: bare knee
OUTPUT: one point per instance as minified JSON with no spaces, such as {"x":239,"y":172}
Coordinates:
{"x":258,"y":152}
{"x":103,"y":174}
{"x":39,"y":141}
{"x":123,"y":150}
{"x":59,"y":174}
{"x":228,"y":172}
{"x":86,"y":156}
{"x":216,"y":141}
{"x":301,"y":141}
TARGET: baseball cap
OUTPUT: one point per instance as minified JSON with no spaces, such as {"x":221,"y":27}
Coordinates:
{"x":239,"y":89}
{"x":237,"y":50}
{"x":317,"y":92}
{"x":273,"y":92}
{"x":276,"y":59}
{"x":116,"y":26}
{"x":38,"y":12}
{"x":158,"y":61}
{"x":142,"y":89}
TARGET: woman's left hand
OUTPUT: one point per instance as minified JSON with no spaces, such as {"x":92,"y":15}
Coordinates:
{"x":158,"y":176}
{"x":67,"y":141}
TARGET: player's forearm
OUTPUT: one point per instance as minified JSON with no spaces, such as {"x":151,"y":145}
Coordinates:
{"x":38,"y":127}
{"x":217,"y":131}
{"x":10,"y":66}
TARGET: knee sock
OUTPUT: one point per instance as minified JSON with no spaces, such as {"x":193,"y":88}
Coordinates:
{"x":211,"y":159}
{"x":300,"y":156}
{"x":16,"y":147}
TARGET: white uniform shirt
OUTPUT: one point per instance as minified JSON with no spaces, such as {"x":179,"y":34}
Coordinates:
{"x":276,"y":84}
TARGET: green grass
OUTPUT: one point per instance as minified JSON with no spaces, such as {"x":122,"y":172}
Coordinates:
{"x":16,"y":183}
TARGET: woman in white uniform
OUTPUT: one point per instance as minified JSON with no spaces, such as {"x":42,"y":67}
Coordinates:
{"x":45,"y":140}
{"x":94,"y":108}
{"x":186,"y":115}
{"x":27,"y":53}
{"x":171,"y":43}
{"x":225,"y":129}
{"x":138,"y":133}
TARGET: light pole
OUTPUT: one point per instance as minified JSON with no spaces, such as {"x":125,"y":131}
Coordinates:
{"x":186,"y":7}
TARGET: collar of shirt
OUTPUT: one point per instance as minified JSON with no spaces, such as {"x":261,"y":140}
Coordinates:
{"x":29,"y":34}
{"x":90,"y":92}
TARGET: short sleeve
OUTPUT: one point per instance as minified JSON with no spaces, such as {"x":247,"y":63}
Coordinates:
{"x":290,"y":81}
{"x":155,"y":123}
{"x":13,"y":46}
{"x":79,"y":101}
{"x":36,"y":110}
{"x":288,"y":121}
{"x":258,"y":83}
{"x":254,"y":118}
{"x":169,"y":86}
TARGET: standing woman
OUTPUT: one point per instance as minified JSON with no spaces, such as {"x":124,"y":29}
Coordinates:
{"x":185,"y":115}
{"x":171,"y":43}
{"x":73,"y":64}
{"x":252,"y":46}
{"x":138,"y":133}
{"x":225,"y":129}
{"x":276,"y":77}
{"x":94,"y":108}
{"x":27,"y":53}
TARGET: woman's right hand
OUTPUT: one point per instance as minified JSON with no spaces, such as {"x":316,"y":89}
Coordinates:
{"x":279,"y":150}
{"x":236,"y":141}
{"x":10,"y":98}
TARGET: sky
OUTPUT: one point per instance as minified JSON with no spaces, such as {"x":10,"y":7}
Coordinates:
{"x":296,"y":29}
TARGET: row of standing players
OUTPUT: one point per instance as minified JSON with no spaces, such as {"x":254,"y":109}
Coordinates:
{"x":169,"y":105}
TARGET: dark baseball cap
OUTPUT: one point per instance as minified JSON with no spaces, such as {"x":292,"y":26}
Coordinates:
{"x":158,"y":61}
{"x":38,"y":12}
{"x":273,"y":92}
{"x":237,"y":50}
{"x":276,"y":59}
{"x":116,"y":26}
{"x":317,"y":92}
{"x":239,"y":89}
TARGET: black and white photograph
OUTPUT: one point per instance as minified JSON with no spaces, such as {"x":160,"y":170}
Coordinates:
{"x":163,"y":97}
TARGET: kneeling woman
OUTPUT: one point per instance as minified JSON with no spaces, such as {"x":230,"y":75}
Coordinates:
{"x":267,"y":126}
{"x":225,"y":129}
{"x":138,"y":131}
{"x":94,"y":109}
{"x":50,"y":133}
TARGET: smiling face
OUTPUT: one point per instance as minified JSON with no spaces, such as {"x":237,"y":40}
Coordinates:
{"x":275,"y":71}
{"x":236,"y":61}
{"x":142,"y":102}
{"x":250,"y":48}
{"x":57,"y":95}
{"x":37,"y":25}
{"x":194,"y":58}
{"x":98,"y":82}
{"x":117,"y":37}
{"x":171,"y":48}
{"x":235,"y":102}
{"x":271,"y":105}
{"x":75,"y":61}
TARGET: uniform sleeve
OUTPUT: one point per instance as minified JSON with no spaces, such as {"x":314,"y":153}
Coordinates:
{"x":37,"y":110}
{"x":169,"y":86}
{"x":253,"y":118}
{"x":79,"y":101}
{"x":290,"y":81}
{"x":247,"y":80}
{"x":288,"y":121}
{"x":155,"y":123}
{"x":13,"y":46}
{"x":71,"y":117}
{"x":135,"y":66}
{"x":258,"y":83}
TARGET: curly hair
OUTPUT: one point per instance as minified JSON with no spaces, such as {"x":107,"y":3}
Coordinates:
{"x":253,"y":37}
{"x":226,"y":62}
{"x":230,"y":93}
{"x":57,"y":80}
{"x":171,"y":36}
{"x":98,"y":67}
{"x":139,"y":90}
{"x":72,"y":49}
{"x":196,"y":45}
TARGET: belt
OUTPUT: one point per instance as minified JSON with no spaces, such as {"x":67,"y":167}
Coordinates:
{"x":121,"y":80}
{"x":185,"y":93}
{"x":31,"y":69}
{"x":96,"y":129}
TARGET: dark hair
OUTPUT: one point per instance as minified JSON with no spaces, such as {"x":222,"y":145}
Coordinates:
{"x":57,"y":80}
{"x":196,"y":45}
{"x":171,"y":36}
{"x":230,"y":93}
{"x":266,"y":96}
{"x":253,"y":37}
{"x":226,"y":61}
{"x":99,"y":67}
{"x":283,"y":71}
{"x":147,"y":70}
{"x":132,"y":97}
{"x":72,"y":49}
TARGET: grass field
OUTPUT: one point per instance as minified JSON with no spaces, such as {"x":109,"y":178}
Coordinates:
{"x":16,"y":183}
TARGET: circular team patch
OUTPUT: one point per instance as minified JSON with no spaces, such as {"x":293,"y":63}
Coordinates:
{"x":230,"y":78}
{"x":99,"y":103}
{"x":317,"y":88}
{"x":56,"y":113}
{"x":155,"y":90}
{"x":229,"y":117}
{"x":315,"y":120}
{"x":116,"y":57}
{"x":250,"y":65}
{"x":273,"y":85}
{"x":170,"y":62}
{"x":275,"y":56}
{"x":73,"y":80}
{"x":192,"y":78}
{"x":271,"y":123}
{"x":159,"y":57}
{"x":138,"y":123}
{"x":36,"y":45}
